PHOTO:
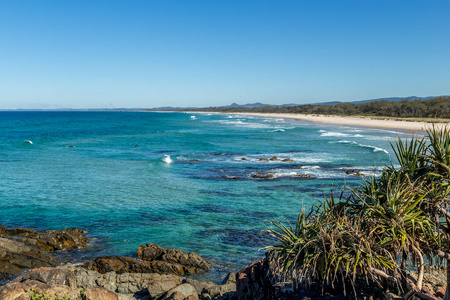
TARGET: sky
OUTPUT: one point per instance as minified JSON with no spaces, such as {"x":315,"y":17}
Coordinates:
{"x":143,"y":54}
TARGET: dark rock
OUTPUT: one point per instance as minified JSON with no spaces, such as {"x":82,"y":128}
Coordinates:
{"x":354,"y":172}
{"x":16,"y":257}
{"x":287,"y":160}
{"x":263,"y":159}
{"x":305,"y":176}
{"x":253,"y":282}
{"x":152,"y":259}
{"x":274,"y":158}
{"x":264,"y":175}
{"x":192,"y":261}
{"x":243,"y":158}
{"x":50,"y":240}
{"x":440,"y":292}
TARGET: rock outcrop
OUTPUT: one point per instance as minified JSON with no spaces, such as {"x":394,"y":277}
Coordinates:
{"x":49,"y":240}
{"x":22,"y":249}
{"x":191,"y":260}
{"x":70,"y":281}
{"x":354,"y":172}
{"x":253,"y":282}
{"x":151,"y":259}
{"x":16,"y":257}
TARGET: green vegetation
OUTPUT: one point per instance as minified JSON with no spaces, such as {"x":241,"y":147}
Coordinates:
{"x":42,"y":296}
{"x":438,"y":107}
{"x":378,"y":231}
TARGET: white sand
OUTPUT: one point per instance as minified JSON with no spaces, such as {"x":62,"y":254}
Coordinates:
{"x":357,"y":121}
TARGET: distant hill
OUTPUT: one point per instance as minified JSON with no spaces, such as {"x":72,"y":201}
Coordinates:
{"x":259,"y":104}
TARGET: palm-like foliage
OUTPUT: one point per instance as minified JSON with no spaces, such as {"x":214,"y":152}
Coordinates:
{"x":329,"y":245}
{"x":404,"y":212}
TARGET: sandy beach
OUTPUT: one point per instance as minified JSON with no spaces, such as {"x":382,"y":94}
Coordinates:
{"x":356,"y":121}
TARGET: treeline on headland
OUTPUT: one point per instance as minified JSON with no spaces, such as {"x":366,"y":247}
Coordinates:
{"x":438,"y":107}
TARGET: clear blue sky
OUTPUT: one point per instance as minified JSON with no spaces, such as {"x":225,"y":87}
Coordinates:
{"x":56,"y":54}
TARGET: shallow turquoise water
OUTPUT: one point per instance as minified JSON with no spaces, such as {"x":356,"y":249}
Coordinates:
{"x":165,"y":178}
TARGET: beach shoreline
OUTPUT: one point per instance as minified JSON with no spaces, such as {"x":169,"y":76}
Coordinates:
{"x":345,"y":120}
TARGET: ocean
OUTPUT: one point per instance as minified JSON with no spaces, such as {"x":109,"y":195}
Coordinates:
{"x":198,"y":182}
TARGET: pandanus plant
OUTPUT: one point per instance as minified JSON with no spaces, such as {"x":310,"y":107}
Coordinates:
{"x":404,"y":213}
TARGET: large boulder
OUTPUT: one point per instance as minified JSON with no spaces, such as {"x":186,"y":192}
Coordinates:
{"x":181,"y":292}
{"x":49,"y":240}
{"x":151,"y":259}
{"x":125,"y":264}
{"x":191,"y":261}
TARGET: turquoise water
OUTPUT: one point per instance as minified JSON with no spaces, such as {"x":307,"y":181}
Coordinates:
{"x":167,"y":178}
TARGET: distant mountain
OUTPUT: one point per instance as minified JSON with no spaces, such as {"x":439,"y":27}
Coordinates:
{"x":259,"y":104}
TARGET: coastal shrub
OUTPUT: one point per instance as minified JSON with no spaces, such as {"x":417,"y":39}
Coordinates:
{"x":42,"y":296}
{"x":398,"y":219}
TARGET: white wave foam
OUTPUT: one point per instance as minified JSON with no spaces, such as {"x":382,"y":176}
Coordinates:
{"x":339,"y":134}
{"x":277,"y":130}
{"x":310,"y":167}
{"x":193,"y":117}
{"x":29,"y":142}
{"x":375,"y":148}
{"x":167,"y":159}
{"x":331,"y":133}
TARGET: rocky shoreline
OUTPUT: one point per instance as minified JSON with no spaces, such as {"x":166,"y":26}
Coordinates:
{"x":30,"y":269}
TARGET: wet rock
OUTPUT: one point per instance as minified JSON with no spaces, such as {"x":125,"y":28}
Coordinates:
{"x":305,"y":176}
{"x":243,"y":158}
{"x":287,"y":160}
{"x":49,"y":240}
{"x":191,"y":261}
{"x":263,"y":159}
{"x":274,"y":158}
{"x":264,"y":175}
{"x":354,"y":172}
{"x":16,"y":257}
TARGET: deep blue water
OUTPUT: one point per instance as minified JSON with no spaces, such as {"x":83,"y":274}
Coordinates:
{"x":167,"y":178}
